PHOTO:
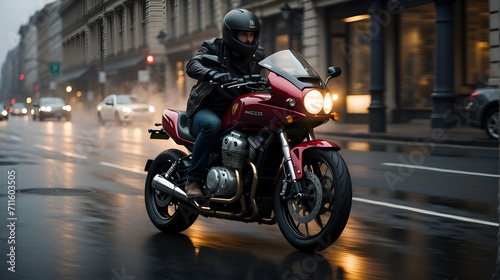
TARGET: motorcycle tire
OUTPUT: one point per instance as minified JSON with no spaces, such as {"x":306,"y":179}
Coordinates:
{"x":491,"y":124}
{"x":167,"y":213}
{"x":316,"y":221}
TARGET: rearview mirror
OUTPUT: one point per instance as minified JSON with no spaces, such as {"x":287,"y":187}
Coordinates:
{"x":333,"y":72}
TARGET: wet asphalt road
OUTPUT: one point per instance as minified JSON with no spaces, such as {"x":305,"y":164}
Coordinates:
{"x":420,"y":211}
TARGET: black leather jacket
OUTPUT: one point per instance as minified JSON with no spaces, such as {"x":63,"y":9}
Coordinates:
{"x":195,"y":69}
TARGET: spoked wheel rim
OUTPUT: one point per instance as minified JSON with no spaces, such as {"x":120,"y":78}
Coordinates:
{"x":317,"y":182}
{"x":164,"y":205}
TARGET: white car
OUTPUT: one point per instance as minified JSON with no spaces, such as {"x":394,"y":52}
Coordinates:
{"x":121,"y":108}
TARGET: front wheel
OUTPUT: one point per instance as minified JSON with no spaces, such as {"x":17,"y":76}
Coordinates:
{"x":167,"y":213}
{"x":316,"y":220}
{"x":491,"y":124}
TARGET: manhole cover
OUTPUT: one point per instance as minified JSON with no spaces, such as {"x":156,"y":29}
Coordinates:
{"x":57,"y":191}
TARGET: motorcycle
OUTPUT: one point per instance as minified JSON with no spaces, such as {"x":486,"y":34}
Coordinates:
{"x":268,"y":167}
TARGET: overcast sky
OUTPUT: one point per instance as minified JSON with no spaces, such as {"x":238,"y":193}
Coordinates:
{"x":14,"y":14}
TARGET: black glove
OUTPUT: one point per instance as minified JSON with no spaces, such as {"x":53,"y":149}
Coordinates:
{"x":220,"y":78}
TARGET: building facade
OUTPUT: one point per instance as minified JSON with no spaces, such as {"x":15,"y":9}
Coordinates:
{"x":401,"y":59}
{"x":387,"y":49}
{"x":105,"y":44}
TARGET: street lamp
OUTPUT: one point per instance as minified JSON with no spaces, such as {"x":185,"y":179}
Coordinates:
{"x":286,"y":11}
{"x":161,"y":37}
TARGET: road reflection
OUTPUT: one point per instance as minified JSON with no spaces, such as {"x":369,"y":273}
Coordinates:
{"x":176,"y":256}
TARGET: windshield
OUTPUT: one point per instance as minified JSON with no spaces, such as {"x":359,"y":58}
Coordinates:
{"x":128,"y":99}
{"x":51,"y":100}
{"x":292,"y":66}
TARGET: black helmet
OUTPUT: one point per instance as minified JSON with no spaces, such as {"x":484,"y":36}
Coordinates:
{"x":241,"y":20}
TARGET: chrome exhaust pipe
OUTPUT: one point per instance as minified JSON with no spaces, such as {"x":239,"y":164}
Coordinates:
{"x":162,"y":184}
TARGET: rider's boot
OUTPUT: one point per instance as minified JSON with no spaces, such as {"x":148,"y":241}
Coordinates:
{"x":193,"y":190}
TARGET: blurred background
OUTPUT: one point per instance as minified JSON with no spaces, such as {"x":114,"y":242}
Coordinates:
{"x":83,"y":51}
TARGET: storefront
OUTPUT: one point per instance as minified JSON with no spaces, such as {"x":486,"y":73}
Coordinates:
{"x":410,"y":55}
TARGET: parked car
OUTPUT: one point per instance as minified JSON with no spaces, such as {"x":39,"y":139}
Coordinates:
{"x":51,"y":107}
{"x":19,"y":109}
{"x":121,"y":108}
{"x":4,"y":115}
{"x":482,"y":110}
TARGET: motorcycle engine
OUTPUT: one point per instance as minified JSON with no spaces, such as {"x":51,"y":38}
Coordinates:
{"x":235,"y":150}
{"x":221,"y":181}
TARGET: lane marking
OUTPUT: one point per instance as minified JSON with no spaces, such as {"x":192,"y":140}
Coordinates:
{"x":426,"y":212}
{"x":441,"y":169}
{"x":15,"y":138}
{"x":68,"y":154}
{"x":47,"y":148}
{"x":122,"y":167}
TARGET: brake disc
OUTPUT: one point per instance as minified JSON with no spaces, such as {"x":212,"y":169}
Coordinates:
{"x":305,"y":210}
{"x":162,"y":199}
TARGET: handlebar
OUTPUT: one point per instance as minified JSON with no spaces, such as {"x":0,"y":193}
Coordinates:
{"x":254,"y":82}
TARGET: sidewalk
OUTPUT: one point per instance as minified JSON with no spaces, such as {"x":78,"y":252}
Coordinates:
{"x":416,"y":130}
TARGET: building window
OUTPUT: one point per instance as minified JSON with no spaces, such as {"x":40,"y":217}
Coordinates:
{"x":278,"y":38}
{"x":131,"y":23}
{"x":172,"y":13}
{"x":180,"y":79}
{"x":350,"y":49}
{"x":476,"y":49}
{"x":120,"y":24}
{"x":417,"y":39}
{"x":197,"y":18}
{"x":143,"y":31}
{"x":111,"y":36}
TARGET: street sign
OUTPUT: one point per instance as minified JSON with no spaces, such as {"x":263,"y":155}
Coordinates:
{"x":55,"y":69}
{"x":143,"y":76}
{"x":102,"y":77}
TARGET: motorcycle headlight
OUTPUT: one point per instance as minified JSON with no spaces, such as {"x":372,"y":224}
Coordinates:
{"x":313,"y":102}
{"x":328,"y":103}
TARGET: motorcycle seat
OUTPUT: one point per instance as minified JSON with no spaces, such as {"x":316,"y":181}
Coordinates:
{"x":182,"y":127}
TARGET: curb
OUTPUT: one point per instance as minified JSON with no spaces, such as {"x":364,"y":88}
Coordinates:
{"x":422,"y":139}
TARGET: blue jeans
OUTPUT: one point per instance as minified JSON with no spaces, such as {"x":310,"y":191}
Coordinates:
{"x":206,"y":125}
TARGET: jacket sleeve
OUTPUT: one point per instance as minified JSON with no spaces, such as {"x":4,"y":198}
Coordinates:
{"x":195,"y":69}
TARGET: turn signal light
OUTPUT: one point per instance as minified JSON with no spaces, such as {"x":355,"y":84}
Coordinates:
{"x":289,"y":119}
{"x":335,"y":116}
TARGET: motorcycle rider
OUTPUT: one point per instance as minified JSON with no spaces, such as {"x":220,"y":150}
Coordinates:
{"x":239,"y":51}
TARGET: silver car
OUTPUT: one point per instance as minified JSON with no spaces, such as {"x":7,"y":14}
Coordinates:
{"x":482,"y":110}
{"x":123,"y":108}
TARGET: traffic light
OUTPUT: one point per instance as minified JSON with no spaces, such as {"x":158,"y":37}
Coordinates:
{"x":150,"y":59}
{"x":21,"y":77}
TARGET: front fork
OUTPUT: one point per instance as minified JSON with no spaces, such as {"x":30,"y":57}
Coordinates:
{"x":288,"y":167}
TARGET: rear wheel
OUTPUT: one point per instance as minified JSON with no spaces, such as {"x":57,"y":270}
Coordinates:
{"x":167,"y":213}
{"x":315,"y":221}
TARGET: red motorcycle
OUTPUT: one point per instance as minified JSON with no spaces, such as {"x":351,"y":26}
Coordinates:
{"x":268,"y":167}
